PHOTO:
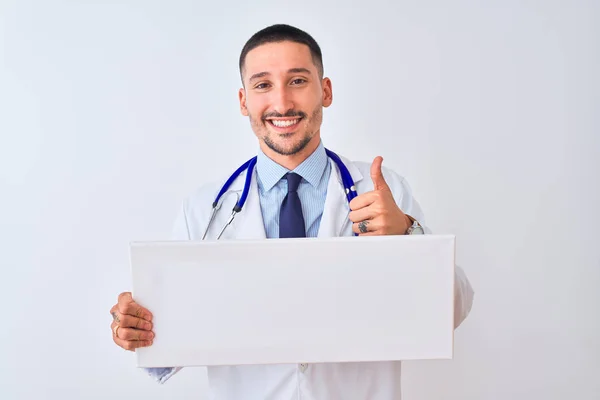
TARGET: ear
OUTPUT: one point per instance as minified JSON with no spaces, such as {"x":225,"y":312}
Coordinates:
{"x":242,"y":97}
{"x":327,"y":92}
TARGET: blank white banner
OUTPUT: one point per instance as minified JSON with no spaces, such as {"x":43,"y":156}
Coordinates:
{"x":296,"y":300}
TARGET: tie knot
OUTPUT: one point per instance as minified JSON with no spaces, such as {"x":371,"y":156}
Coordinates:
{"x":293,"y":180}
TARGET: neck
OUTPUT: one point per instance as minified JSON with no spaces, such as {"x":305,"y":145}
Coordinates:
{"x":292,"y":161}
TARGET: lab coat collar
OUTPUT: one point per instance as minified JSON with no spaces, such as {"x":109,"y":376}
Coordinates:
{"x":249,"y":223}
{"x":311,"y":169}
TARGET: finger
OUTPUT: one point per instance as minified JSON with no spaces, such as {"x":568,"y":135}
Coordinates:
{"x":134,"y":309}
{"x":363,"y":200}
{"x":363,"y":214}
{"x":371,"y":226}
{"x":129,"y":321}
{"x":374,"y":233}
{"x":127,"y":306}
{"x":131,"y":345}
{"x":134,"y":334}
{"x":379,"y":182}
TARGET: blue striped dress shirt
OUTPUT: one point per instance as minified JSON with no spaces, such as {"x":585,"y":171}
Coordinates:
{"x":272,"y":188}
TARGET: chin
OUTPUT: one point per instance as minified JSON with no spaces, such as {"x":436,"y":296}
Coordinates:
{"x":285,"y":148}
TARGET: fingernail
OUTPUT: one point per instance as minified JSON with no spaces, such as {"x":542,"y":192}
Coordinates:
{"x":148,"y":326}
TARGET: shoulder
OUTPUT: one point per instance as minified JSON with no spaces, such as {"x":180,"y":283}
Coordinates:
{"x":196,"y":208}
{"x":207,"y":191}
{"x":202,"y":193}
{"x":198,"y":201}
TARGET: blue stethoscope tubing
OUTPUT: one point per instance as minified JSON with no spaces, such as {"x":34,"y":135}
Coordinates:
{"x":347,"y":181}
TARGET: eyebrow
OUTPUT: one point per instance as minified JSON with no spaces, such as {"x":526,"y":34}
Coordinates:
{"x":290,"y":71}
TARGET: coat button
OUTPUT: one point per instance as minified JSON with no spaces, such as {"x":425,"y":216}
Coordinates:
{"x":303,"y":367}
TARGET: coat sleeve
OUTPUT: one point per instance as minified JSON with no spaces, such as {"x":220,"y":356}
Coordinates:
{"x":463,"y":291}
{"x":180,"y":231}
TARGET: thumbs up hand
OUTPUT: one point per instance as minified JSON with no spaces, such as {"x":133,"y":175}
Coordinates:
{"x":376,"y":212}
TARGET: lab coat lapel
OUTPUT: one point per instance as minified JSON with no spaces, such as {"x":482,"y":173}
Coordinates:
{"x":335,"y":221}
{"x":248,"y":224}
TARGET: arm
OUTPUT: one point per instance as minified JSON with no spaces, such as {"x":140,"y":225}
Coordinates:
{"x":463,"y":296}
{"x":463,"y":291}
{"x":391,"y":208}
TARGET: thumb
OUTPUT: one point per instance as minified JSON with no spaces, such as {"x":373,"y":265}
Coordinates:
{"x":125,"y":298}
{"x":379,"y":182}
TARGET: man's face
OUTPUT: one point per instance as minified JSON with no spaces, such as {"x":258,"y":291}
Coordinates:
{"x":284,"y":97}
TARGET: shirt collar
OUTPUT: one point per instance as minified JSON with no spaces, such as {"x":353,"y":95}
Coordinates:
{"x":311,"y":169}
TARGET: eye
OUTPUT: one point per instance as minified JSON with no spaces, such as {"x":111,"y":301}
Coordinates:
{"x":261,"y":86}
{"x":298,"y":81}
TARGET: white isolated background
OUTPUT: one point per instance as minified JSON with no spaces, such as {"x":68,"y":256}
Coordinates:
{"x":112,"y":112}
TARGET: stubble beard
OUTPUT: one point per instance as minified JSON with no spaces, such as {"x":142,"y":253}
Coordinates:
{"x":267,"y":136}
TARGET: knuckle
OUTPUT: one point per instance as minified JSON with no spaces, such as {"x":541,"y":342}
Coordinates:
{"x":131,"y":335}
{"x":128,"y":309}
{"x":123,"y":308}
{"x":125,"y":321}
{"x":116,"y":316}
{"x":125,"y":334}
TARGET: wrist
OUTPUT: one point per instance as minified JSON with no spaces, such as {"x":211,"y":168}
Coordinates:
{"x":409,"y":223}
{"x":414,"y":228}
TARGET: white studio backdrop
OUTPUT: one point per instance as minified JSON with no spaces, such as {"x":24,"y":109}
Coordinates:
{"x":112,"y":112}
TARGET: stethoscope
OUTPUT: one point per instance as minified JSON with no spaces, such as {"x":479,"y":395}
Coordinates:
{"x":347,"y":181}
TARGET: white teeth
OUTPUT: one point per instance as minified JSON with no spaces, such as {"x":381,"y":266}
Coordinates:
{"x":283,"y":124}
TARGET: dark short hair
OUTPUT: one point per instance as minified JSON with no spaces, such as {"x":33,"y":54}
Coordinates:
{"x":280,"y":33}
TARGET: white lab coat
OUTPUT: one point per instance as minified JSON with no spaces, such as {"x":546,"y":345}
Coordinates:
{"x":333,"y":381}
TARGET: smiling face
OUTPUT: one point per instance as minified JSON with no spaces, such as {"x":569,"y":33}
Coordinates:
{"x":284,"y":96}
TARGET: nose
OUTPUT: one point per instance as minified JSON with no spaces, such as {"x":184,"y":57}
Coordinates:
{"x":282,"y":100}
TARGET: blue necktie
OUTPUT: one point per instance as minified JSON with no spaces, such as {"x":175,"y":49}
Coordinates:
{"x":291,"y":220}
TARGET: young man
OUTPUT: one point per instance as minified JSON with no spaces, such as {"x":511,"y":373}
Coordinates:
{"x":296,"y":192}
